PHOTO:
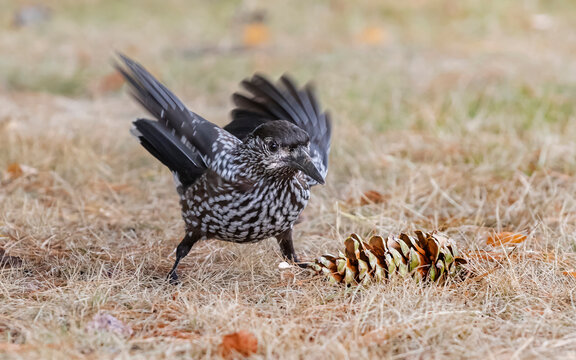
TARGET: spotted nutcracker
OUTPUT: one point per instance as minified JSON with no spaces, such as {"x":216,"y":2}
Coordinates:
{"x":248,"y":181}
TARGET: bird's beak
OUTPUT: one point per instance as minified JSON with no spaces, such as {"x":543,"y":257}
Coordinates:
{"x":301,"y":160}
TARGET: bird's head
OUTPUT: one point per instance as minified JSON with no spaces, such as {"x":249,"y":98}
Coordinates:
{"x":283,"y":146}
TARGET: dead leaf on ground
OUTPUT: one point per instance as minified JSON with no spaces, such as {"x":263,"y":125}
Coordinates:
{"x":368,"y":197}
{"x":256,"y":34}
{"x":16,"y":170}
{"x":571,"y":273}
{"x":111,"y":82}
{"x":372,"y":35}
{"x":239,"y":343}
{"x":505,"y":238}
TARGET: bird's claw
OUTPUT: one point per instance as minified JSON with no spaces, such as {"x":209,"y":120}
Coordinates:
{"x":302,"y":265}
{"x":173,"y":278}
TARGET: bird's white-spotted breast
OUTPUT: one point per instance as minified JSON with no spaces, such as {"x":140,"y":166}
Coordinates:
{"x":252,"y":213}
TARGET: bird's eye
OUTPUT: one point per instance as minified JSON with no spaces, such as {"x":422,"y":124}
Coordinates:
{"x":272,"y":146}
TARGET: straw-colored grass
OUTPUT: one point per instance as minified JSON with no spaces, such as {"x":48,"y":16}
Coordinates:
{"x":460,"y":114}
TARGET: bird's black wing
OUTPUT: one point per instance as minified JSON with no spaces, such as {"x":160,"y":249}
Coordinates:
{"x":283,"y":101}
{"x":208,"y":144}
{"x":184,"y":162}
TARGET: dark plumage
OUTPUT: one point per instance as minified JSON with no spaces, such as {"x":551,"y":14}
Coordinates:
{"x":248,"y":181}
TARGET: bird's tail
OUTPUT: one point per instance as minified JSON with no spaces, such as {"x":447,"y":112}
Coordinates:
{"x":176,"y":125}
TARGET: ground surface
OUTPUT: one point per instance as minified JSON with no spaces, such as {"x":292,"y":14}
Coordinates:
{"x":460,"y":114}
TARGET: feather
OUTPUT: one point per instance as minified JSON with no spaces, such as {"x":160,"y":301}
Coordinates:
{"x":283,"y":101}
{"x":207,"y":140}
{"x":171,"y":152}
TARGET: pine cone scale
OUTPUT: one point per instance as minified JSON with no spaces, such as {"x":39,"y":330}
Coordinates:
{"x":426,"y":256}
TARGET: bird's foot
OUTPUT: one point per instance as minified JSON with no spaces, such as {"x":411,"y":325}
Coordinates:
{"x":302,"y":265}
{"x":173,"y":278}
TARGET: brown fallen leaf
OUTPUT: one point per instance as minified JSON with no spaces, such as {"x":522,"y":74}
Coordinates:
{"x":571,"y":273}
{"x":372,"y":197}
{"x":109,"y":83}
{"x":368,"y":197}
{"x":255,"y":34}
{"x":16,"y":170}
{"x":239,"y":343}
{"x":506,"y":238}
{"x":372,"y":35}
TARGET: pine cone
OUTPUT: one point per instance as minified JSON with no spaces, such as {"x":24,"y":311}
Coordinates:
{"x":428,"y":256}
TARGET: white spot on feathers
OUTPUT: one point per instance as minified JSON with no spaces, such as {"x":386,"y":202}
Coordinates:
{"x":176,"y":179}
{"x":135,"y":132}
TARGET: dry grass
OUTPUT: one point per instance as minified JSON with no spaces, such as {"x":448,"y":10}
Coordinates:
{"x":462,"y":118}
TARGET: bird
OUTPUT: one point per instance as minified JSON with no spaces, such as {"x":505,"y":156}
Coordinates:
{"x":244,"y":182}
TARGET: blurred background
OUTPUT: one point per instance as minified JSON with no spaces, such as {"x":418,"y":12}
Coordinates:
{"x":455,"y":115}
{"x":375,"y":58}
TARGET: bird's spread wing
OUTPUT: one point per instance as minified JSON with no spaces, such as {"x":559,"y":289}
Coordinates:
{"x":178,"y":125}
{"x":283,"y":101}
{"x":186,"y":163}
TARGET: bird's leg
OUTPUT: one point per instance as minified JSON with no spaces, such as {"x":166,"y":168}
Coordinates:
{"x":181,"y":251}
{"x":287,"y":247}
